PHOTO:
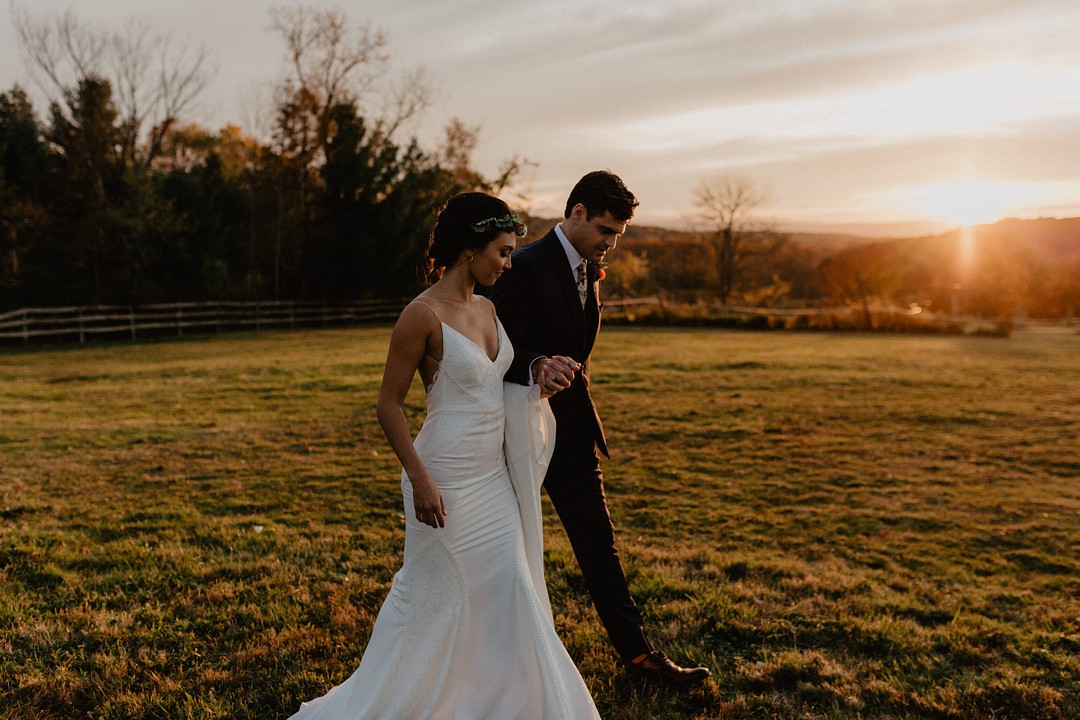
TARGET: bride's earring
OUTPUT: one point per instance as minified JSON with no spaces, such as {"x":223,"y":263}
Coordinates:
{"x":470,"y":258}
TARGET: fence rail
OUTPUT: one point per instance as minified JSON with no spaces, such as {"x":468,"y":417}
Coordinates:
{"x":87,"y":323}
{"x":115,"y":321}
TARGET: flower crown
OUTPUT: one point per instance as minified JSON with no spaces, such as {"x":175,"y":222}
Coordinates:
{"x":509,"y":223}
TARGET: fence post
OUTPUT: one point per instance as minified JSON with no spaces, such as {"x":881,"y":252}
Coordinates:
{"x":82,"y":328}
{"x":131,"y":320}
{"x":179,"y":321}
{"x":26,"y":328}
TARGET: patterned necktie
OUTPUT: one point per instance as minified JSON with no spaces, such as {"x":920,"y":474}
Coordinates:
{"x":582,"y":279}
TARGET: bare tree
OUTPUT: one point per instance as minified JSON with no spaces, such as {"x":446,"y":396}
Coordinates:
{"x":332,"y":62}
{"x":62,"y":50}
{"x":329,"y":62}
{"x":726,"y":204}
{"x":456,"y":151}
{"x":152,"y":83}
{"x":406,"y":101}
{"x":456,"y":154}
{"x":515,"y":179}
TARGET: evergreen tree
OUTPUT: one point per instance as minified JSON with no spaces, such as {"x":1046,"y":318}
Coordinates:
{"x":24,"y":176}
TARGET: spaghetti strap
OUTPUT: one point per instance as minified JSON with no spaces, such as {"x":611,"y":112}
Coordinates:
{"x":443,"y":323}
{"x":438,"y":364}
{"x":421,"y":302}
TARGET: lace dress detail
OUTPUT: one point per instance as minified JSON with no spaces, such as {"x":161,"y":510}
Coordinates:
{"x":464,"y":633}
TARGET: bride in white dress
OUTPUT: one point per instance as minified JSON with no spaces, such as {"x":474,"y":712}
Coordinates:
{"x":466,"y":632}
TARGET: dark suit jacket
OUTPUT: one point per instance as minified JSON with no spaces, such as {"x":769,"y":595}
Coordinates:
{"x":538,"y":304}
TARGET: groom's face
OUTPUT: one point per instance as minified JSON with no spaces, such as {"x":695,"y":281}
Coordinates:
{"x":593,"y":237}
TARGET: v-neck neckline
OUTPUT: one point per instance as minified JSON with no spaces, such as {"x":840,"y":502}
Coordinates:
{"x":478,"y":346}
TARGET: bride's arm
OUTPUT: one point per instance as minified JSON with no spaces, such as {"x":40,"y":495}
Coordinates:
{"x":408,"y":343}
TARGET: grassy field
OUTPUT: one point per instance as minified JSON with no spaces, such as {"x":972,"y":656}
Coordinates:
{"x":840,"y":525}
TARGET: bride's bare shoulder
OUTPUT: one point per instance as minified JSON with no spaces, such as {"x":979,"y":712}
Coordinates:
{"x":418,"y":316}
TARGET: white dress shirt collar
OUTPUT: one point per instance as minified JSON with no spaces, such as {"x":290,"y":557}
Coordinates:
{"x":572,"y":255}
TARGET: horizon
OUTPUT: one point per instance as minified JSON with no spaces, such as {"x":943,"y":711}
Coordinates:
{"x":899,"y":230}
{"x":885,"y":114}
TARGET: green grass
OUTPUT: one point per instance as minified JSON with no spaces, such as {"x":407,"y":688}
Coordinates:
{"x":841,"y":526}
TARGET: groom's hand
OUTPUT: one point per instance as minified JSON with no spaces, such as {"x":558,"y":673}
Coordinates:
{"x":554,"y":374}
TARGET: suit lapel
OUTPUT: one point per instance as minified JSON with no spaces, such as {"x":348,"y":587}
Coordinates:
{"x":559,"y":266}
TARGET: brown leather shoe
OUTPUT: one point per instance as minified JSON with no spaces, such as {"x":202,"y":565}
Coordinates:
{"x":656,"y":666}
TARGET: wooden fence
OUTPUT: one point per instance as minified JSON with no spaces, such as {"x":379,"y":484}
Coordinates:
{"x":83,"y":324}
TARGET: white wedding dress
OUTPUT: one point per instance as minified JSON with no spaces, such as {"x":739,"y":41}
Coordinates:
{"x":465,"y":633}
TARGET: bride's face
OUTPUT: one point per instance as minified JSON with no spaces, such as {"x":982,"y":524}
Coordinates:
{"x":489,"y":263}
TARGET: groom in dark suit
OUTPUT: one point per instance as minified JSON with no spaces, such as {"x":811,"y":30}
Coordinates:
{"x":548,"y":304}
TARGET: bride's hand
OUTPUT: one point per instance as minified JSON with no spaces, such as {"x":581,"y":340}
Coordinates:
{"x":428,"y":503}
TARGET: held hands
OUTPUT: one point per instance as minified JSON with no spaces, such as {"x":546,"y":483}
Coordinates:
{"x":428,"y":503}
{"x":554,"y":374}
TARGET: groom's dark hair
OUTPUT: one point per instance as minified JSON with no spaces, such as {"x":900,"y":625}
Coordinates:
{"x":602,"y":191}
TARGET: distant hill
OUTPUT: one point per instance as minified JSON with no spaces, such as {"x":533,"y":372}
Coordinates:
{"x":1052,"y":237}
{"x":1056,"y":238}
{"x":1009,"y":267}
{"x":866,"y":230}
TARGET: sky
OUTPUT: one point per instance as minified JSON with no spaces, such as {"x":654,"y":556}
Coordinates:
{"x":892,"y":114}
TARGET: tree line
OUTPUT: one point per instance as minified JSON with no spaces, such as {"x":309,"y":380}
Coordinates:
{"x":110,"y":197}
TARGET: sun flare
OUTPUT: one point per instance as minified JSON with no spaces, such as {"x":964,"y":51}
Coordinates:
{"x":969,"y":202}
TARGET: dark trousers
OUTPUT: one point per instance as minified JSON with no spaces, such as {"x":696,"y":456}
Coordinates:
{"x":575,"y":484}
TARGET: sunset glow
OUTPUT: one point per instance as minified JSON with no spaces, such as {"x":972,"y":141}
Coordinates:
{"x":970,"y":202}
